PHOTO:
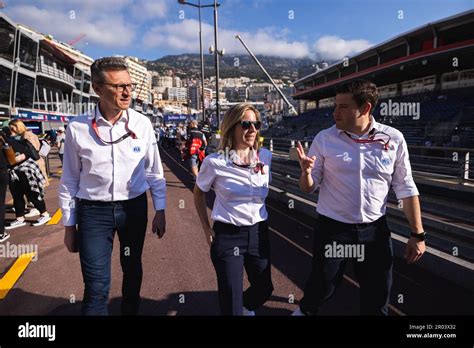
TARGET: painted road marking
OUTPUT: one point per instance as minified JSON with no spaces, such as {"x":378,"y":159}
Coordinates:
{"x":14,"y":273}
{"x":56,"y":218}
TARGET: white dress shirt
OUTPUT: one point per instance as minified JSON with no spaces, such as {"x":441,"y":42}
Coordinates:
{"x":97,"y":171}
{"x":354,"y":179}
{"x":240,"y":192}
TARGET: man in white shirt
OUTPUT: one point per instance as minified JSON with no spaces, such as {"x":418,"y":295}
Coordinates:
{"x":110,"y":159}
{"x":353,"y":164}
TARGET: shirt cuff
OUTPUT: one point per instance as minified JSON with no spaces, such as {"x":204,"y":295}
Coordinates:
{"x":201,"y":187}
{"x":69,"y":218}
{"x":159,"y":203}
{"x":406,"y":192}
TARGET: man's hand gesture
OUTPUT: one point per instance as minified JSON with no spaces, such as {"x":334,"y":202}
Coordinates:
{"x":306,"y":163}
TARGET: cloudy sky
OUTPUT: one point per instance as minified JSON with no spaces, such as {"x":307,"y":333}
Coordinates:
{"x":150,"y":29}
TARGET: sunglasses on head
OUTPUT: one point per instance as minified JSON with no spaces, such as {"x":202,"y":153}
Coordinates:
{"x":248,"y":124}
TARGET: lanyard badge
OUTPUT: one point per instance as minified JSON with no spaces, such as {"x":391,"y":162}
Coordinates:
{"x":123,"y":137}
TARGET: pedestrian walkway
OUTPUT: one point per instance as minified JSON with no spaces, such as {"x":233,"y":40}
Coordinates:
{"x":178,"y":276}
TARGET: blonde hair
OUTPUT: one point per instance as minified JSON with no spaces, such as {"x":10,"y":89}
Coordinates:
{"x":232,"y":117}
{"x":19,"y":126}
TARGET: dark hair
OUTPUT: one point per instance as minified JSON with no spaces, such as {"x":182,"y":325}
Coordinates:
{"x":106,"y":64}
{"x":362,"y":91}
{"x":7,"y":131}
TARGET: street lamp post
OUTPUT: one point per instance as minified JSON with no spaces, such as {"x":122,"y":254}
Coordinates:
{"x":212,"y":50}
{"x":216,"y":61}
{"x":203,"y":107}
{"x":199,"y":6}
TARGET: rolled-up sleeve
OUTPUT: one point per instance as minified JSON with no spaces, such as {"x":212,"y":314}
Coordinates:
{"x":154,"y":172}
{"x":69,"y":183}
{"x":317,"y":171}
{"x":402,"y":179}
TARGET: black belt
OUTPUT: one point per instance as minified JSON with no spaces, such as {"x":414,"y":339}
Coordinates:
{"x":379,"y":221}
{"x":83,"y":201}
{"x":234,"y":228}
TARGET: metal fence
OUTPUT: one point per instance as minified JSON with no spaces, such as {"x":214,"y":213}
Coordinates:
{"x":445,"y":161}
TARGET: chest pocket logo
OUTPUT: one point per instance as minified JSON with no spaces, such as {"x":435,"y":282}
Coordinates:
{"x":137,"y":149}
{"x":386,"y":161}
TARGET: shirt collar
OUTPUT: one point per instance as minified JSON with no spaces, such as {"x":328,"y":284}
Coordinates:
{"x":373,"y":125}
{"x":100,"y":118}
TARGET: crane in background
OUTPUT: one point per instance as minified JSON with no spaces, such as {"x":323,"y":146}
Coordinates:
{"x":76,"y":39}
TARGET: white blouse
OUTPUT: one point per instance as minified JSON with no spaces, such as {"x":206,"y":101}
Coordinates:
{"x":240,"y":192}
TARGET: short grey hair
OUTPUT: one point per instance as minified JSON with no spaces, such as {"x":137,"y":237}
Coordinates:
{"x":106,"y":64}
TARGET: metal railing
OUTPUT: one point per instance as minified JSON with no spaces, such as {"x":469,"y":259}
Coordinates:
{"x":448,"y":161}
{"x":55,"y":72}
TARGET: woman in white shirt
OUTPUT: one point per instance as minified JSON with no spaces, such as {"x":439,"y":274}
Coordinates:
{"x":239,"y":173}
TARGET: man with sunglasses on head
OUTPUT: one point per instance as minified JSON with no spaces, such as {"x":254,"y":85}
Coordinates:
{"x":353,"y":164}
{"x":110,"y":160}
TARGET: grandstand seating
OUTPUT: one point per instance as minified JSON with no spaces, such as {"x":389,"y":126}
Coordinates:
{"x":443,"y":114}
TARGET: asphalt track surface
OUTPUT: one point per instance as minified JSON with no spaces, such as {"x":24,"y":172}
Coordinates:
{"x":179,"y":278}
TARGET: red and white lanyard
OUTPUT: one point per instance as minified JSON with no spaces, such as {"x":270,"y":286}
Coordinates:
{"x":123,"y":137}
{"x":257,"y":166}
{"x":371,"y":139}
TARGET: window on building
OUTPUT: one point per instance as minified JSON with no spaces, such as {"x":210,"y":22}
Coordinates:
{"x":5,"y":85}
{"x":76,"y":98}
{"x":24,"y":91}
{"x":28,"y":53}
{"x":7,"y":40}
{"x":87,"y":84}
{"x":78,"y":78}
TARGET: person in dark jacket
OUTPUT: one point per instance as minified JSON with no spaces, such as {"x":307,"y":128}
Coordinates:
{"x":7,"y":157}
{"x":25,"y":179}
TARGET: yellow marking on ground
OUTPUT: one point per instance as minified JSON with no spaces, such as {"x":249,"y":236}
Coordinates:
{"x":56,"y":218}
{"x":14,"y":273}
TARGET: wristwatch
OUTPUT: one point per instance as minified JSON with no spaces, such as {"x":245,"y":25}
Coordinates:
{"x":421,"y":236}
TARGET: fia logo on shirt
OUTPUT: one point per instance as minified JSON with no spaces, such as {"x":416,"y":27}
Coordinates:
{"x":386,"y":161}
{"x":136,"y":149}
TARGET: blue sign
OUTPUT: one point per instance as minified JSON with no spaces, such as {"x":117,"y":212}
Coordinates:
{"x":175,"y":118}
{"x":40,"y":116}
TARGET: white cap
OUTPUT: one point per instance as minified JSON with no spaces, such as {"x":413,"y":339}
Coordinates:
{"x":61,"y":129}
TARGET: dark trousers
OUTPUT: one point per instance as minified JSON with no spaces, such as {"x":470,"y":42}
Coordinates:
{"x":97,"y":224}
{"x":374,"y":273}
{"x":232,"y":249}
{"x":4,"y":177}
{"x":20,"y":188}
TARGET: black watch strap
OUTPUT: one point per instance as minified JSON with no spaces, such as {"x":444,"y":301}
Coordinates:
{"x":421,"y":236}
